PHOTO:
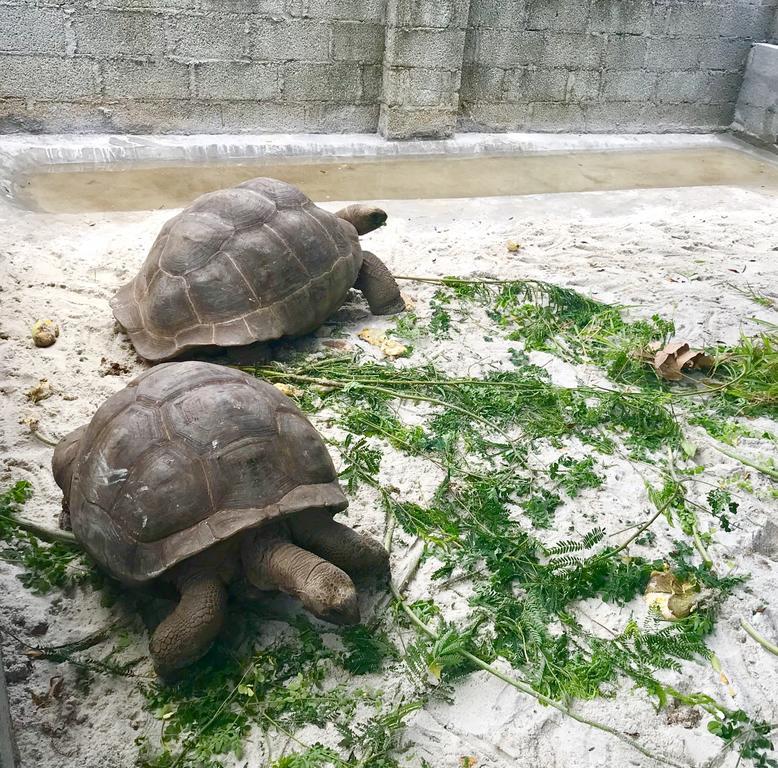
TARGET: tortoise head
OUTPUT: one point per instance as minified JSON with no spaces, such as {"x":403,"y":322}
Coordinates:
{"x":364,"y":218}
{"x":64,"y":459}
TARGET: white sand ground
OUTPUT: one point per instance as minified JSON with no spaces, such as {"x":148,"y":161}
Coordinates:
{"x":673,"y":252}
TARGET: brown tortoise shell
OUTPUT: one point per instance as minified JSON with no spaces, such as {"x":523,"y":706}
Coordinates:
{"x":188,"y":455}
{"x":251,"y":263}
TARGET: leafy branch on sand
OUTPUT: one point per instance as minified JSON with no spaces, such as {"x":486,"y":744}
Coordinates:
{"x":491,"y":522}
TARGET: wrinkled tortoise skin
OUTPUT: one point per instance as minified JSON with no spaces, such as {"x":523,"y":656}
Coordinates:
{"x":186,"y":456}
{"x":255,"y":262}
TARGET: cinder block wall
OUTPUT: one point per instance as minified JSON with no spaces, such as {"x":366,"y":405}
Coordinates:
{"x":597,"y":65}
{"x":190,"y":66}
{"x":403,"y":67}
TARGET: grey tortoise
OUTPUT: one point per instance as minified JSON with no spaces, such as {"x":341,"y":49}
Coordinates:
{"x":253,"y":263}
{"x":198,"y":474}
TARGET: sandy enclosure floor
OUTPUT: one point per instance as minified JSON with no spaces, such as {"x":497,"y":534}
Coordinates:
{"x":678,"y":253}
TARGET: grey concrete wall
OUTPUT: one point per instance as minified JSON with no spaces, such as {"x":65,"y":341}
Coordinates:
{"x":757,"y":108}
{"x":599,"y":65}
{"x":424,"y":48}
{"x":189,"y":66}
{"x":403,"y":67}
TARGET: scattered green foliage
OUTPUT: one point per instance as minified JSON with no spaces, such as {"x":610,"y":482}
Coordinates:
{"x":44,"y":567}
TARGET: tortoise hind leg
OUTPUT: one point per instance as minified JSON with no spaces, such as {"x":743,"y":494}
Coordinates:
{"x":378,"y":286}
{"x":188,"y":632}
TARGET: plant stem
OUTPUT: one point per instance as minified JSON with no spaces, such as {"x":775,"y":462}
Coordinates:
{"x":42,"y":531}
{"x":393,"y":393}
{"x":766,"y":644}
{"x":763,"y":468}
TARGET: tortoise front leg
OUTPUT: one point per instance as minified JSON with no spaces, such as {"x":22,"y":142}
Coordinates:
{"x":356,"y":554}
{"x":378,"y":286}
{"x":188,"y":632}
{"x":271,"y":561}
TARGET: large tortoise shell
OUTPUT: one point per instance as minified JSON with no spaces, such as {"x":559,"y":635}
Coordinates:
{"x":188,"y":455}
{"x":251,"y":263}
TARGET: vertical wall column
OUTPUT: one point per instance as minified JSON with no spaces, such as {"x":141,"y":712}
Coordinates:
{"x":423,"y":52}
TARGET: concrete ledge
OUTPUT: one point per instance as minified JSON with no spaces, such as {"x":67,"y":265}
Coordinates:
{"x":756,"y":113}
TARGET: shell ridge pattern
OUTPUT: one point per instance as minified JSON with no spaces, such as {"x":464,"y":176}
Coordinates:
{"x":245,"y":279}
{"x":289,"y":250}
{"x":321,"y":227}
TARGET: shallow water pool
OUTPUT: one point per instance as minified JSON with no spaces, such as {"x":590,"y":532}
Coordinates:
{"x":122,"y":186}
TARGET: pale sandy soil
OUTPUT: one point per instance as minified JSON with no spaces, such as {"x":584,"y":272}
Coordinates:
{"x":673,"y":252}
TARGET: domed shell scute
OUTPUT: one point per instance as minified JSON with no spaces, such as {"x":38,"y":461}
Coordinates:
{"x":172,"y":472}
{"x":187,"y":455}
{"x":114,"y":446}
{"x":252,"y":263}
{"x":189,"y":244}
{"x":192,"y":419}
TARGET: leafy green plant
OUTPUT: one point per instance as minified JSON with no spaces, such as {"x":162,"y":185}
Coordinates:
{"x":44,"y":566}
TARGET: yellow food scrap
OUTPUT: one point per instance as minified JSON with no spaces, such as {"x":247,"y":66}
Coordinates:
{"x":388,"y":347}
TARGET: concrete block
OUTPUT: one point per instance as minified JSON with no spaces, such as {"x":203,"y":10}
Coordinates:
{"x":557,"y":15}
{"x":285,"y":39}
{"x":481,"y":83}
{"x":625,"y":52}
{"x":558,"y":118}
{"x":115,"y":33}
{"x":529,"y":85}
{"x":760,"y":83}
{"x":403,"y":123}
{"x":672,"y":54}
{"x":583,"y":85}
{"x":573,"y":51}
{"x":237,"y":80}
{"x":629,"y":17}
{"x":199,"y":6}
{"x":616,"y":116}
{"x":421,"y":87}
{"x":372,"y":82}
{"x":341,"y":82}
{"x":739,"y":21}
{"x":425,"y":48}
{"x":196,"y":38}
{"x":721,"y":87}
{"x":628,"y":86}
{"x":485,"y":116}
{"x":263,"y":117}
{"x":172,"y":116}
{"x":506,"y":48}
{"x":353,"y":41}
{"x":346,"y":10}
{"x":691,"y":117}
{"x":724,"y":54}
{"x":498,"y":14}
{"x":693,"y":20}
{"x":32,"y":30}
{"x":438,"y":14}
{"x":23,"y":116}
{"x":145,"y":79}
{"x":42,"y":78}
{"x":342,"y":118}
{"x":678,"y":87}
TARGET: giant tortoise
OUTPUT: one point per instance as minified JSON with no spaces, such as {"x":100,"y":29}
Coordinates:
{"x":252,"y":263}
{"x":198,"y":474}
